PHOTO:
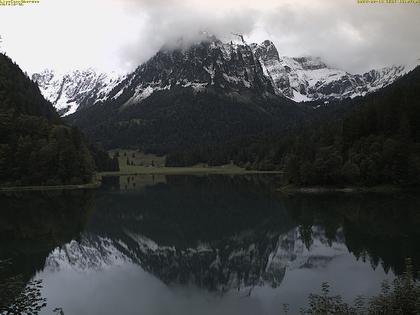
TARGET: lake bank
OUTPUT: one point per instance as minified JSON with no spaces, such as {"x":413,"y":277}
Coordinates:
{"x":194,"y":170}
{"x":140,"y":170}
{"x":92,"y":185}
{"x":291,"y":189}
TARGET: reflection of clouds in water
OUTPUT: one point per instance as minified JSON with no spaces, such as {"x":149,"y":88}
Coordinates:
{"x":127,"y":289}
{"x":145,"y":250}
{"x":288,"y":275}
{"x":237,"y":263}
{"x":347,"y":277}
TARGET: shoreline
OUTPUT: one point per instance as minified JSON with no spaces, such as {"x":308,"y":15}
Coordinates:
{"x":291,"y":189}
{"x":92,"y":185}
{"x":185,"y":171}
{"x":286,"y":189}
{"x":144,"y":171}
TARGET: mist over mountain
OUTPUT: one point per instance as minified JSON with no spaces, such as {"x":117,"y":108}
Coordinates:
{"x":202,"y":94}
{"x":297,"y":78}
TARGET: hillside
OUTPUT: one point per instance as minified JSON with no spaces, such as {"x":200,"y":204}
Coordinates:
{"x":378,"y":142}
{"x":36,"y":147}
{"x":369,"y":140}
{"x":181,"y":118}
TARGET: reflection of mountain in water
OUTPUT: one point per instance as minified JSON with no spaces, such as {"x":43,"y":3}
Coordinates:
{"x":216,"y":232}
{"x":242,"y":261}
{"x":229,"y":232}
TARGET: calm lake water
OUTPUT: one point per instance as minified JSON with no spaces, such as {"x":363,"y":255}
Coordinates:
{"x":202,"y":245}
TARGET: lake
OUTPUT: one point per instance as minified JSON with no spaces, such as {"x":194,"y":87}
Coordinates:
{"x":212,"y":244}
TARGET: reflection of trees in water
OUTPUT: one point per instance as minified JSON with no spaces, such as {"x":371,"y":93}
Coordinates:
{"x":211,"y":231}
{"x":236,"y":221}
{"x":190,"y":209}
{"x":33,"y":224}
{"x":17,"y":296}
{"x":401,"y":297}
{"x":381,"y":228}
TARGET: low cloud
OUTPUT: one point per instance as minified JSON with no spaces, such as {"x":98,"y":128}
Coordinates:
{"x":171,"y":23}
{"x":346,"y":34}
{"x":121,"y":34}
{"x":355,"y":37}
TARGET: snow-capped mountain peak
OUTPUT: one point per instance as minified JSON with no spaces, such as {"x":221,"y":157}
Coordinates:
{"x":230,"y":67}
{"x":310,"y":78}
{"x":233,"y":67}
{"x":79,"y":88}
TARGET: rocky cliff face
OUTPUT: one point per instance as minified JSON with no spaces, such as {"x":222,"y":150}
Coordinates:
{"x":210,"y":64}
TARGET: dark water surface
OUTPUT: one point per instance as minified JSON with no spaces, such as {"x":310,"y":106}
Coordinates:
{"x":201,"y":245}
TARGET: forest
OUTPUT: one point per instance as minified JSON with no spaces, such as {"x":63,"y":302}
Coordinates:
{"x":371,"y":140}
{"x":36,"y":147}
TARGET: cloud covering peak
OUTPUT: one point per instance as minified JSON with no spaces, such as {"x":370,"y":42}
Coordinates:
{"x":120,"y":34}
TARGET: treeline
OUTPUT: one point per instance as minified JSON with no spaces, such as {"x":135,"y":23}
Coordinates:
{"x":369,"y":141}
{"x":36,"y":148}
{"x":103,"y":161}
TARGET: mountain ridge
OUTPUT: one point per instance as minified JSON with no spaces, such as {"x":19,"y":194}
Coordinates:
{"x":237,"y":67}
{"x":309,"y":78}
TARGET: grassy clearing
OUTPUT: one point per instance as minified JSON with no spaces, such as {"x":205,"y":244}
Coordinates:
{"x":133,"y":162}
{"x":141,"y":170}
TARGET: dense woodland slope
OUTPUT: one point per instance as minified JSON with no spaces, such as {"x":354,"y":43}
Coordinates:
{"x":213,"y":103}
{"x":180,"y":119}
{"x":377,"y":142}
{"x":36,"y":147}
{"x":203,"y":94}
{"x":367,"y":140}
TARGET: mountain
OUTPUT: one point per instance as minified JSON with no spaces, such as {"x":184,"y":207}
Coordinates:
{"x":308,"y":78}
{"x":76,"y":89}
{"x":207,"y":64}
{"x":191,"y":100}
{"x":237,"y":66}
{"x":36,"y":146}
{"x":203,"y":94}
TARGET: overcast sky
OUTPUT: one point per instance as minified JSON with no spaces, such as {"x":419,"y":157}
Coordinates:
{"x":120,"y":34}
